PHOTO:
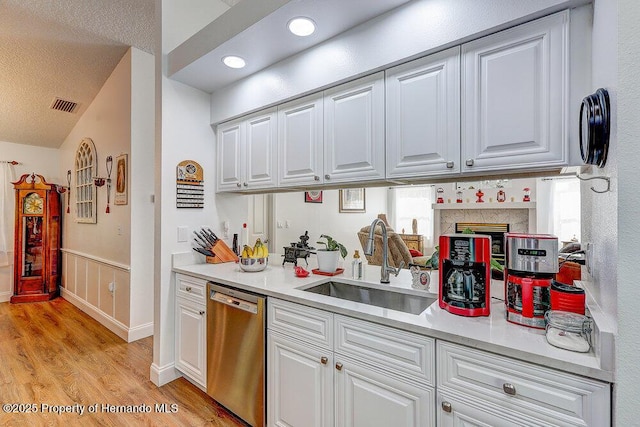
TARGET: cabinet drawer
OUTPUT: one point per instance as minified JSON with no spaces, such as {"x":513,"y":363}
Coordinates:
{"x":191,"y":288}
{"x":530,"y":389}
{"x":305,"y":323}
{"x":399,"y":351}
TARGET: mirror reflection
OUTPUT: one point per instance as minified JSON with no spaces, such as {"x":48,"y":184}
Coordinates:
{"x":419,"y":214}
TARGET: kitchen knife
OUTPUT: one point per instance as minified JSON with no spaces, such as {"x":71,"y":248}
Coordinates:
{"x":202,"y":242}
{"x":204,"y":252}
{"x":200,"y":245}
{"x":203,"y":236}
{"x":211,"y":237}
{"x":213,"y":234}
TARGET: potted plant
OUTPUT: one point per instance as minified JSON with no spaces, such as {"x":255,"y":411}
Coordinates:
{"x":328,"y":257}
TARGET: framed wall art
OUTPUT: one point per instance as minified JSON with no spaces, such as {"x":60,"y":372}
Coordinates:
{"x":314,"y":196}
{"x":352,"y":200}
{"x":122,"y":180}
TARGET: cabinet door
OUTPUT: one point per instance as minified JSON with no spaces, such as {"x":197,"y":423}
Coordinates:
{"x":514,"y":97}
{"x":191,"y":341}
{"x":423,"y":116}
{"x":300,"y":141}
{"x":354,"y":130}
{"x":368,"y":398}
{"x":299,"y":383}
{"x":261,"y":150}
{"x":230,"y":139}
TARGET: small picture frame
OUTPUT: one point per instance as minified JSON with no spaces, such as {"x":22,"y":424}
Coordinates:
{"x":314,"y":196}
{"x":352,"y":200}
{"x":122,"y":178}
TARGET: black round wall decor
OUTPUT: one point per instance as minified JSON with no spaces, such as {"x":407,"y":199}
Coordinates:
{"x":594,"y":128}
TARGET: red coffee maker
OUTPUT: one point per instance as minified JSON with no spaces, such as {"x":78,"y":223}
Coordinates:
{"x":531,"y":265}
{"x":465,"y":274}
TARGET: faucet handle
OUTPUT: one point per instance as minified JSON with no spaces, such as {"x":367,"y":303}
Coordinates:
{"x":397,"y":271}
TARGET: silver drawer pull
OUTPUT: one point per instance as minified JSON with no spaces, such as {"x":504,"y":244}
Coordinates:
{"x":339,"y":366}
{"x":324,"y":360}
{"x":316,"y":178}
{"x":469,"y":162}
{"x":509,"y":389}
{"x":245,"y":184}
{"x":188,"y":289}
{"x":450,"y":165}
{"x":238,"y":185}
{"x":327,"y":176}
{"x":446,"y":407}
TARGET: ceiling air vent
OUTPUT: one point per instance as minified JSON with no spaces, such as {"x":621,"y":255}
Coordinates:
{"x":63,"y":105}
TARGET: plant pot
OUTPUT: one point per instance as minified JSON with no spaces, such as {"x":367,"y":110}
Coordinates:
{"x":327,"y":260}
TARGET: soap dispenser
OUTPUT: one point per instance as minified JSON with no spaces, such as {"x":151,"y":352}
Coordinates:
{"x":356,"y":266}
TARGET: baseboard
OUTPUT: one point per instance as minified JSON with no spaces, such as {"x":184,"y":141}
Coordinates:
{"x":118,"y":328}
{"x":163,"y":375}
{"x":140,"y":332}
{"x":5,"y":296}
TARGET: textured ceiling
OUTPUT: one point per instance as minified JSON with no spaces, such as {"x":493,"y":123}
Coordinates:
{"x":63,"y":49}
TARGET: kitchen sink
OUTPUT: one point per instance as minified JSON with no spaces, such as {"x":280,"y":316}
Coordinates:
{"x":386,"y":298}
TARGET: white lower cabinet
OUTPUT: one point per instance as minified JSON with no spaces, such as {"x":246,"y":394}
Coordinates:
{"x":191,"y":328}
{"x":367,"y":397}
{"x":477,"y":388}
{"x":354,"y":381}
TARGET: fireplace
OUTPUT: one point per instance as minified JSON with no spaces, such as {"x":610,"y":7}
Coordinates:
{"x":495,"y":230}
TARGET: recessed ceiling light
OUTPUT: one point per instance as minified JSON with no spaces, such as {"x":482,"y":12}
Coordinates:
{"x":234,"y":61}
{"x":301,"y":26}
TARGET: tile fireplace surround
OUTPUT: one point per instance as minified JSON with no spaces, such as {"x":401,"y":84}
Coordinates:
{"x":521,"y":217}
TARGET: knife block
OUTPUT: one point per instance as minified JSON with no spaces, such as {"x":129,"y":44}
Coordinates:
{"x":222,"y":252}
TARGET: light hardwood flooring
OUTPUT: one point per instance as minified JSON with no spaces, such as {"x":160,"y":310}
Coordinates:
{"x":52,"y":354}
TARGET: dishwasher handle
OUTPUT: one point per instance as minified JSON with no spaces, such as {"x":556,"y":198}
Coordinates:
{"x":234,"y":302}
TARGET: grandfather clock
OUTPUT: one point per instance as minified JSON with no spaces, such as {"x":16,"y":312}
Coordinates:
{"x":36,"y":264}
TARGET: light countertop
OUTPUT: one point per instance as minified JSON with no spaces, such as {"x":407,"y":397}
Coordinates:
{"x":492,"y":333}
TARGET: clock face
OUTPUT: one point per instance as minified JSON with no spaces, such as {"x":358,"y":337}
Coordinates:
{"x":33,"y":204}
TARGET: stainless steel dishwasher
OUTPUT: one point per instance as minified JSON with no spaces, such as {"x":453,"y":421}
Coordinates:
{"x":236,"y":351}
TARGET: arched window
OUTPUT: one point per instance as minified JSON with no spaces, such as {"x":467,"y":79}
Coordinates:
{"x":85,"y":172}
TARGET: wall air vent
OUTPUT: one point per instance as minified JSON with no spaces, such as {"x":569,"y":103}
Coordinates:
{"x":63,"y":105}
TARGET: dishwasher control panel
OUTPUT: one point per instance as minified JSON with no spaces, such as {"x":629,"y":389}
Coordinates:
{"x":234,"y":302}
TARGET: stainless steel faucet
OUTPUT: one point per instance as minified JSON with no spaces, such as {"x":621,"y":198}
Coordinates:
{"x":385,"y":269}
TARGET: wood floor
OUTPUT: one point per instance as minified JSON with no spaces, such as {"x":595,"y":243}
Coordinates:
{"x":52,"y":354}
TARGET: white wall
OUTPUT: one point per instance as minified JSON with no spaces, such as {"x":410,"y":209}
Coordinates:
{"x":324,"y":218}
{"x":42,"y":161}
{"x":628,"y":182}
{"x":182,"y":132}
{"x":100,"y":274}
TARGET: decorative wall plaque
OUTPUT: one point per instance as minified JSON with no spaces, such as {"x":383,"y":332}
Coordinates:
{"x":189,"y":185}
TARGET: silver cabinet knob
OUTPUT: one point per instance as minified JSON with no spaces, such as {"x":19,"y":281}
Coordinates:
{"x":245,"y":184}
{"x":324,"y":360}
{"x":188,"y":289}
{"x":327,"y":176}
{"x":508,"y":388}
{"x":339,"y":366}
{"x":316,"y":178}
{"x":446,"y":407}
{"x":201,"y":312}
{"x":450,"y":165}
{"x":469,"y":162}
{"x":238,"y":185}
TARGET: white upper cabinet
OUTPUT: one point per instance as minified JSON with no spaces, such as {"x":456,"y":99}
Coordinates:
{"x":514,"y":97}
{"x":261,"y":150}
{"x":230,"y":155}
{"x":300,"y":145}
{"x":354,"y":131}
{"x":247,"y":152}
{"x":423,"y":116}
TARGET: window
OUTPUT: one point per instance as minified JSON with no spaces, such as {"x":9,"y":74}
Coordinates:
{"x":566,"y":209}
{"x":85,"y":191}
{"x":412,"y":202}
